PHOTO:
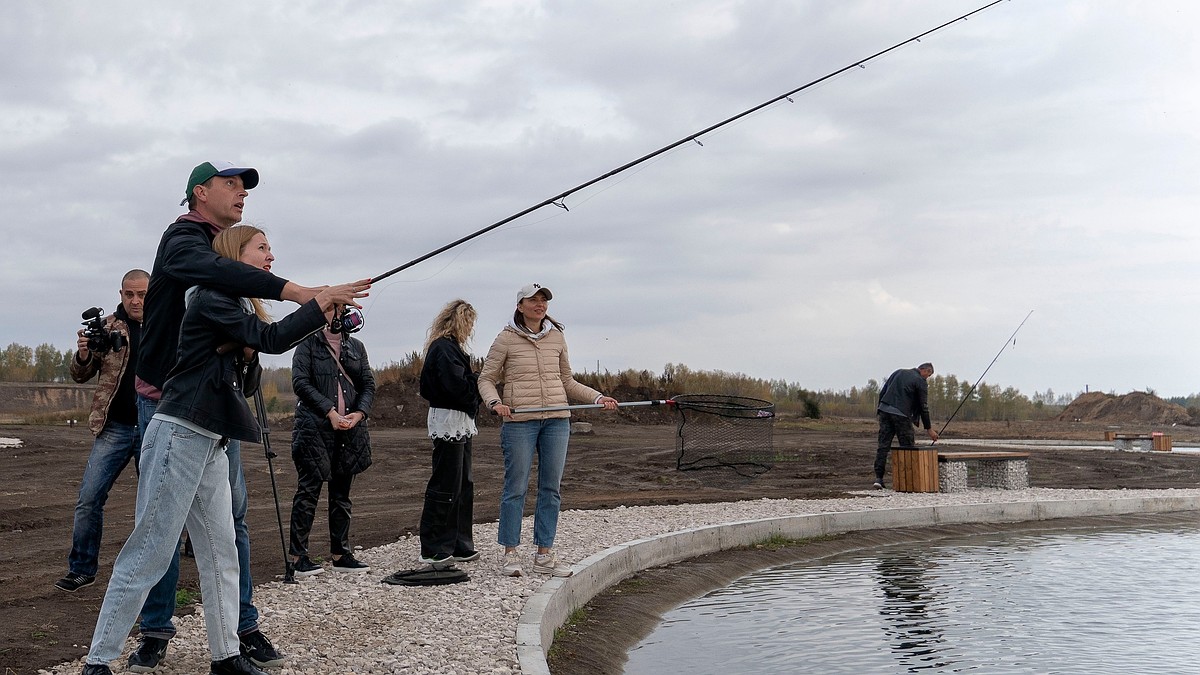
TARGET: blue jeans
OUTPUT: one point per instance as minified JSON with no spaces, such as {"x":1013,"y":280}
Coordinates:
{"x":184,"y":481}
{"x":520,"y":441}
{"x":114,"y":447}
{"x":159,"y":610}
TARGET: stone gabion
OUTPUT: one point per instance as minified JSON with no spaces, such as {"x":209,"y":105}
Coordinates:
{"x":1003,"y":474}
{"x":952,"y":476}
{"x":1008,"y":474}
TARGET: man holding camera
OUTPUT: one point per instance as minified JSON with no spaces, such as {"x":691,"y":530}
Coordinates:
{"x":109,"y":349}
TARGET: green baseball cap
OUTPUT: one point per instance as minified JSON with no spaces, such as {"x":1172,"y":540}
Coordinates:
{"x":207,"y":170}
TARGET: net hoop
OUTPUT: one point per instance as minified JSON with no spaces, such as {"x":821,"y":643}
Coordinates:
{"x":725,"y":406}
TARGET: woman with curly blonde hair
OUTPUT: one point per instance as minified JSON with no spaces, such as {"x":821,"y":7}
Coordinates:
{"x":451,"y":388}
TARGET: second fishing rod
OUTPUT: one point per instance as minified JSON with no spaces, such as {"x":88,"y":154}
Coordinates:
{"x":1012,"y":339}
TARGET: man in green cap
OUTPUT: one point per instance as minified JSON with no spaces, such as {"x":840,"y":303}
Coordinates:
{"x":215,"y":196}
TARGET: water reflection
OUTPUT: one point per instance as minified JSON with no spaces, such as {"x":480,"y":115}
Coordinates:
{"x":910,"y":621}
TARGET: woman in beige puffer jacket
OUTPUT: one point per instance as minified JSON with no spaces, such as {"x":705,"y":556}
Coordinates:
{"x":529,"y":357}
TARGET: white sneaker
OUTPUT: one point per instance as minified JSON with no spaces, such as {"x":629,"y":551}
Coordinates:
{"x":512,"y":564}
{"x":548,"y":563}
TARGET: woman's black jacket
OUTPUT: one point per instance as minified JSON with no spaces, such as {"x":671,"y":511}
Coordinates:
{"x":210,"y":381}
{"x":447,"y":380}
{"x":315,"y":378}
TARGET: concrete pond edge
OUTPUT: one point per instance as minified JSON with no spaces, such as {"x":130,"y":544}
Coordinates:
{"x":554,"y":601}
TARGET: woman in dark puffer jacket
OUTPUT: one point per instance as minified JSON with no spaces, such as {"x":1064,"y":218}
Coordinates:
{"x":330,"y":442}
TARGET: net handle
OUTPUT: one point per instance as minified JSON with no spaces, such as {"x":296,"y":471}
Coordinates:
{"x":583,"y":406}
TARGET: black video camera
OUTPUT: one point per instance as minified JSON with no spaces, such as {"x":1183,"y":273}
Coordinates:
{"x":100,"y":340}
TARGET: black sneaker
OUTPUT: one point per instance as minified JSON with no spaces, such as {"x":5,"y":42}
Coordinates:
{"x":96,"y":669}
{"x":73,"y":582}
{"x":257,"y":648}
{"x":148,"y":655}
{"x":467,"y":556}
{"x":304,"y":567}
{"x":234,"y":665}
{"x":347,"y":563}
{"x":437,"y":561}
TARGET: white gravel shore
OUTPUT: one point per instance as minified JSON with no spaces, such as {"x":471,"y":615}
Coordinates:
{"x":353,"y":623}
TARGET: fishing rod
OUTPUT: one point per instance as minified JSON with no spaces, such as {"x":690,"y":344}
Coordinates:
{"x":557,"y":199}
{"x":1012,"y":339}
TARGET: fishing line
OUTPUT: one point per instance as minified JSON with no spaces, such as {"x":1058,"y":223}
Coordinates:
{"x":558,"y":199}
{"x":558,"y":214}
{"x":1011,"y":339}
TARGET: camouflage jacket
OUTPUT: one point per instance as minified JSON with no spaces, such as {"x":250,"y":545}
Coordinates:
{"x":111,"y":367}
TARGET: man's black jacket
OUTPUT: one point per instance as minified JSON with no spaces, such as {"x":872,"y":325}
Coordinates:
{"x":185,"y":258}
{"x":907,"y":392}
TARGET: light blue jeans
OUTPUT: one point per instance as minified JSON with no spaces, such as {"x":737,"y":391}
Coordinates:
{"x":114,"y":447}
{"x":159,"y":611}
{"x":184,"y":481}
{"x":520,"y":441}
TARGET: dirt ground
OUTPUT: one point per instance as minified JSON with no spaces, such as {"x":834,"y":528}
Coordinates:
{"x":622,"y":464}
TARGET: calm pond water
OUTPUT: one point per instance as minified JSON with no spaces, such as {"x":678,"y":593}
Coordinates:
{"x":1121,"y":600}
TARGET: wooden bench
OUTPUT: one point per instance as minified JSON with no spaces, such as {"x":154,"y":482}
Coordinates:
{"x":1003,"y":470}
{"x":1141,"y":442}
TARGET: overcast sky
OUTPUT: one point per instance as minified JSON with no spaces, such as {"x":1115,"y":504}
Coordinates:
{"x":1040,"y":156}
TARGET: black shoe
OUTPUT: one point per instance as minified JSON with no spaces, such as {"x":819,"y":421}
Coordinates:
{"x":466,"y":556}
{"x":347,"y":563}
{"x":96,"y":669}
{"x":234,"y":665}
{"x":257,"y":648}
{"x":148,"y":655}
{"x":73,"y":582}
{"x":437,"y":561}
{"x":304,"y":567}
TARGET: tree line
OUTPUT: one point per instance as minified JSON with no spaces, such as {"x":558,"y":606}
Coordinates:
{"x":45,"y":363}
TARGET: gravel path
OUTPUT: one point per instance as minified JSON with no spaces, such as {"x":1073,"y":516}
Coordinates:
{"x":353,"y":623}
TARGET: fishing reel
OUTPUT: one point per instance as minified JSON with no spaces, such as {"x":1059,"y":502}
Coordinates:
{"x":347,"y":320}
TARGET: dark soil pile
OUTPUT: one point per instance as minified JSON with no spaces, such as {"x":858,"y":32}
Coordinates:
{"x":1132,"y":408}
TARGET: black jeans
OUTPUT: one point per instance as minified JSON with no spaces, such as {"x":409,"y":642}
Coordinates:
{"x":449,"y":501}
{"x":304,"y":507}
{"x":897,"y":426}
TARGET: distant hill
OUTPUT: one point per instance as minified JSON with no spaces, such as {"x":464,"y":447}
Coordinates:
{"x":20,"y":400}
{"x":1132,"y":408}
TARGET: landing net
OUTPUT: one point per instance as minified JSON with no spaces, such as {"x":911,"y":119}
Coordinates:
{"x":725,"y":431}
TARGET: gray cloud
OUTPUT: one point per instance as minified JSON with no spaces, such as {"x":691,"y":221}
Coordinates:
{"x":1039,"y":156}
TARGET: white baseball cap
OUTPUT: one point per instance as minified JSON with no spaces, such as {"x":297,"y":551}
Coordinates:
{"x":530,"y":290}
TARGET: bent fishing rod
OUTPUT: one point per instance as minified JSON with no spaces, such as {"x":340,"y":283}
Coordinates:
{"x":1011,"y":338}
{"x":558,"y":199}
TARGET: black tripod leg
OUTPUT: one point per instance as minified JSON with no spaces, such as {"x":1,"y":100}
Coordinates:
{"x":289,"y":569}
